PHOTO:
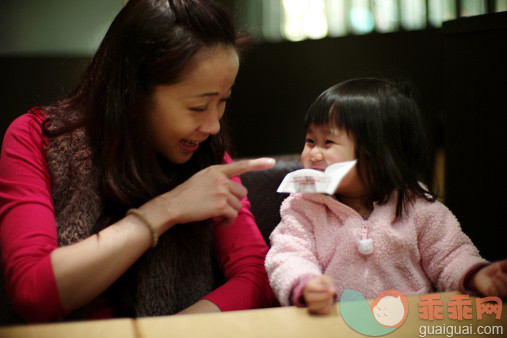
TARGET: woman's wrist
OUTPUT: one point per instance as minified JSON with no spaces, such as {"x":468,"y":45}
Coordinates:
{"x":154,"y":234}
{"x":160,"y":213}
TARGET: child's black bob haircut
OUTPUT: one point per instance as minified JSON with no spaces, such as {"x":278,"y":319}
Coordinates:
{"x":382,"y":118}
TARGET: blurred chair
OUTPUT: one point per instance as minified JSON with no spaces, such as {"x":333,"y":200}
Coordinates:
{"x":262,"y":185}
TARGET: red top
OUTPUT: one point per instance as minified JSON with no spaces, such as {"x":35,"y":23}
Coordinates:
{"x":28,"y":235}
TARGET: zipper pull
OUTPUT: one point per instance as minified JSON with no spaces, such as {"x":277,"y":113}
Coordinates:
{"x":365,"y":244}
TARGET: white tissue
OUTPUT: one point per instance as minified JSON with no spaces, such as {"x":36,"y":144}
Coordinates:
{"x":315,"y":181}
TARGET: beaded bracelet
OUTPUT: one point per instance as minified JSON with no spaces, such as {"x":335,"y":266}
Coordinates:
{"x":142,"y":216}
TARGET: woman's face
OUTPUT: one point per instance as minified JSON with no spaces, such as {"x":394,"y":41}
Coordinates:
{"x":326,"y":145}
{"x":185,"y":114}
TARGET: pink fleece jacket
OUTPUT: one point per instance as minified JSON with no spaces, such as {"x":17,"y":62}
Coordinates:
{"x":422,"y":251}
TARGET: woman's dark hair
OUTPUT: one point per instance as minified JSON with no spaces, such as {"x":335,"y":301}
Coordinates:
{"x":149,"y":43}
{"x":382,"y":117}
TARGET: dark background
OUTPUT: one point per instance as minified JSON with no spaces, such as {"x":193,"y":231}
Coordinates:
{"x":460,"y":69}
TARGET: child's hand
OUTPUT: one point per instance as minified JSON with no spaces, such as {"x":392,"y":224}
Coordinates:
{"x":491,"y":280}
{"x":319,"y":294}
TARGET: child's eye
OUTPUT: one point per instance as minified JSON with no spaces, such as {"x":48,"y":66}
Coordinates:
{"x":309,"y":140}
{"x":329,"y":141}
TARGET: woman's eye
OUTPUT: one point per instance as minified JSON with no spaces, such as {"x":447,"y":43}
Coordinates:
{"x":199,"y":109}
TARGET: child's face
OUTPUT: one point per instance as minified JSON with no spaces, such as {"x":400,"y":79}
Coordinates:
{"x":326,"y":145}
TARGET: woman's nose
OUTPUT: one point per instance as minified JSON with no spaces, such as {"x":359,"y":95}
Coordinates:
{"x":212,"y":123}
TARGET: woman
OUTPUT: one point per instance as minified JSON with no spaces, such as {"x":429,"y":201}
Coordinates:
{"x":90,"y":183}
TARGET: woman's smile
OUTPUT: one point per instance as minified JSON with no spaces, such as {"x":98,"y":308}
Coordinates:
{"x":189,"y":145}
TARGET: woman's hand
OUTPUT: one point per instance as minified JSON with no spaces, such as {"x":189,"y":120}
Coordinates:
{"x":491,"y":280}
{"x":319,"y":294}
{"x":210,"y":193}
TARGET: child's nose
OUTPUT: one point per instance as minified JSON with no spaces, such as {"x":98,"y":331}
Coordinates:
{"x":316,"y":154}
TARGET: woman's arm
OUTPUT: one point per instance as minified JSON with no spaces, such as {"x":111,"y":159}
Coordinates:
{"x":86,"y":269}
{"x":201,"y":306}
{"x":27,"y":226}
{"x":241,"y":250}
{"x":45,"y":282}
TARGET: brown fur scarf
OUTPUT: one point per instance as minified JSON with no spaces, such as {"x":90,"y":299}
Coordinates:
{"x":166,"y":279}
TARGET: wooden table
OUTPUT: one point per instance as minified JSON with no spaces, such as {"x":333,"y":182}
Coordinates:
{"x":124,"y":328}
{"x":297,"y":322}
{"x":274,"y":322}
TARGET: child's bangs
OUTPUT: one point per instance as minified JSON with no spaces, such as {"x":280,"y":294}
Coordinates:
{"x":324,"y":111}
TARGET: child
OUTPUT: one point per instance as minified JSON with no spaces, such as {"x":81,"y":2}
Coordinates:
{"x":383,"y":228}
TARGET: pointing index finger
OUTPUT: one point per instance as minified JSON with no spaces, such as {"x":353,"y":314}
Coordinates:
{"x":243,"y":166}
